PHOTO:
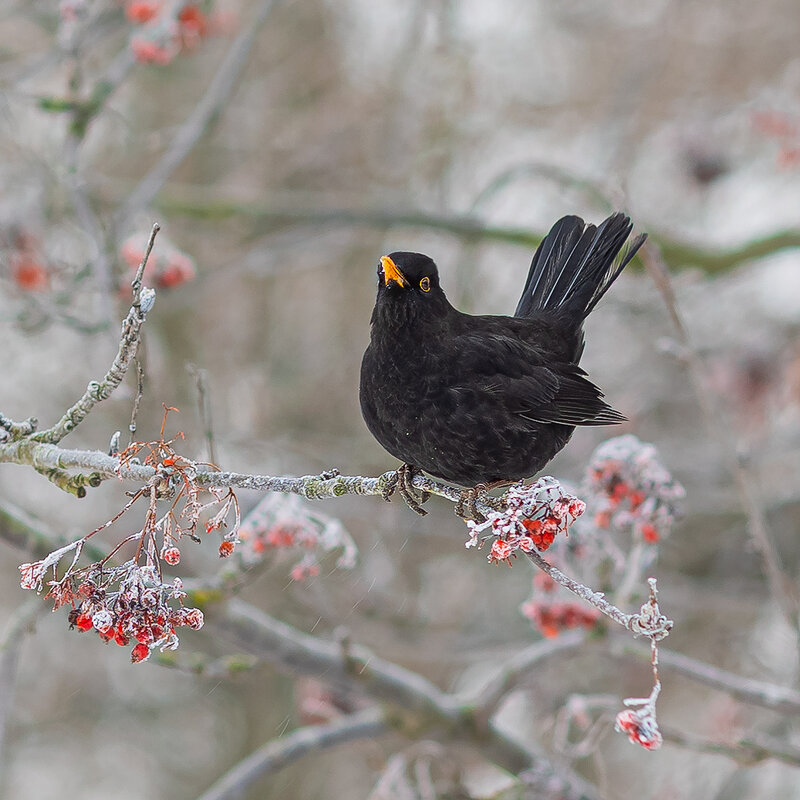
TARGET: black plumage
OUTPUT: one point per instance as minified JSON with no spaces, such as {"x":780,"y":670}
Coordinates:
{"x":489,"y":399}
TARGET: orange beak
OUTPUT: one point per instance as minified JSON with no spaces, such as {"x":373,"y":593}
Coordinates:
{"x":391,"y":273}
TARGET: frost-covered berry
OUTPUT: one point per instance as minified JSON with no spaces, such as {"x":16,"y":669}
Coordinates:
{"x":102,"y":620}
{"x":140,"y":653}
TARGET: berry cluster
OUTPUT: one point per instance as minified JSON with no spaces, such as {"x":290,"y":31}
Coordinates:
{"x":164,"y":30}
{"x":555,"y":617}
{"x":123,"y":604}
{"x":132,"y":601}
{"x":285,"y":523}
{"x":532,"y":517}
{"x":629,"y":489}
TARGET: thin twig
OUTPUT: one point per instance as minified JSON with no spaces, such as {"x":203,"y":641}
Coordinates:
{"x":204,"y":409}
{"x":631,"y":622}
{"x":279,"y":753}
{"x":136,"y":283}
{"x":136,"y":400}
{"x":542,"y":169}
{"x":128,"y":344}
{"x":16,"y":430}
{"x":312,"y":487}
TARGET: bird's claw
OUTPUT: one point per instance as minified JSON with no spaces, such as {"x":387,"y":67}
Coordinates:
{"x":403,"y":483}
{"x":466,"y":506}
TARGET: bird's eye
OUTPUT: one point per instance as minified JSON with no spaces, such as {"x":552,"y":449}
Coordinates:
{"x":425,"y":284}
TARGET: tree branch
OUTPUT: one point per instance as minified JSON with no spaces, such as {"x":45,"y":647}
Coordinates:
{"x":746,"y":752}
{"x":515,"y":670}
{"x":282,"y":752}
{"x":760,"y":693}
{"x":420,"y":707}
{"x":465,"y":226}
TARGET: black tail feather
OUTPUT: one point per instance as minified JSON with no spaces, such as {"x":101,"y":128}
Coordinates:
{"x":574,"y":266}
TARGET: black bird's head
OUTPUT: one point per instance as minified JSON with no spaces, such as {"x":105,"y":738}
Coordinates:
{"x":408,"y":289}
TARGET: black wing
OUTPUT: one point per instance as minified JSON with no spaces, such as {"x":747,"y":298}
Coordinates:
{"x":520,"y":379}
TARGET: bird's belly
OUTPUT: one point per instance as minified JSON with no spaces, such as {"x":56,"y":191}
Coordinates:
{"x":464,"y":436}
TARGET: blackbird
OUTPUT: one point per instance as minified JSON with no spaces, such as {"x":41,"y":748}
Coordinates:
{"x":487,"y":400}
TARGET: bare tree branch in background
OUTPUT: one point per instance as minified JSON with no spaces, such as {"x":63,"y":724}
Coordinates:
{"x":217,"y":95}
{"x":781,"y":586}
{"x":279,"y":753}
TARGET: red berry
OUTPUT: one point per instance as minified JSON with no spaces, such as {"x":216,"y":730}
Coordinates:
{"x":143,"y":635}
{"x":533,"y":526}
{"x":83,"y":622}
{"x":193,"y":618}
{"x":602,"y":519}
{"x":501,"y":550}
{"x":193,"y":21}
{"x":225,"y":549}
{"x":141,"y":11}
{"x":640,"y":729}
{"x":171,"y":555}
{"x":146,"y":51}
{"x":636,"y":499}
{"x":302,"y":571}
{"x":576,"y":508}
{"x":279,"y":536}
{"x":650,"y":533}
{"x":140,"y":653}
{"x":119,"y":637}
{"x":179,"y":269}
{"x":28,"y":272}
{"x":619,"y":490}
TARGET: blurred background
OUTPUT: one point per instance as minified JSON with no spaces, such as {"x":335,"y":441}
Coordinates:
{"x":284,"y":147}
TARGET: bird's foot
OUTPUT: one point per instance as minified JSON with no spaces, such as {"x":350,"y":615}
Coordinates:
{"x":467,"y":504}
{"x":403,"y":483}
